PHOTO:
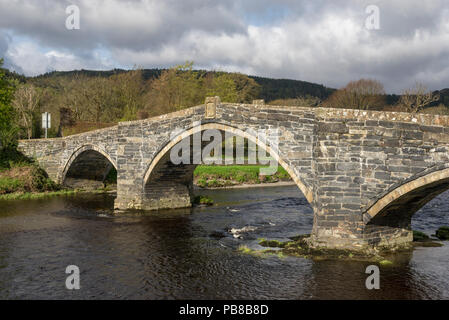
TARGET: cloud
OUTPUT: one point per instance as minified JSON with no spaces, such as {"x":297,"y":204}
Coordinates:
{"x":319,"y":41}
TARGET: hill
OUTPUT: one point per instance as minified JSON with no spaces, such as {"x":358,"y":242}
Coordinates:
{"x":271,"y":89}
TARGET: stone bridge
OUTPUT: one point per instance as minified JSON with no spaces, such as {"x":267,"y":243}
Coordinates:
{"x":364,"y":173}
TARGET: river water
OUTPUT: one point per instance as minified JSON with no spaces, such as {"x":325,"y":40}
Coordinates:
{"x":190,"y":254}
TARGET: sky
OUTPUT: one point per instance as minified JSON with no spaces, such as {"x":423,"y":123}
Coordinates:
{"x":399,"y":42}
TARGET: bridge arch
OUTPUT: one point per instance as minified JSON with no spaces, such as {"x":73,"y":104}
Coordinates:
{"x":163,"y":153}
{"x":88,"y":162}
{"x":396,"y":208}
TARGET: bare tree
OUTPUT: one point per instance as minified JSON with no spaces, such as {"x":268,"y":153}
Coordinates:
{"x":417,"y":98}
{"x":26,"y":101}
{"x":364,"y":94}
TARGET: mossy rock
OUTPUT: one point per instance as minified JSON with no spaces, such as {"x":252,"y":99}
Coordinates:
{"x":443,"y":233}
{"x":271,"y":243}
{"x":203,"y":200}
{"x":300,"y":237}
{"x":385,"y":263}
{"x":420,"y":236}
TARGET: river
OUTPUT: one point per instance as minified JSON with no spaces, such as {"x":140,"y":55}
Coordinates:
{"x":189,"y":254}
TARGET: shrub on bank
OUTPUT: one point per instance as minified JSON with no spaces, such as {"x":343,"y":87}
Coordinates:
{"x":419,"y":236}
{"x":443,"y":233}
{"x":21,"y":174}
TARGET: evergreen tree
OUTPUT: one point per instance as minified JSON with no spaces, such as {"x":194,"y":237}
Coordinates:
{"x":8,"y":128}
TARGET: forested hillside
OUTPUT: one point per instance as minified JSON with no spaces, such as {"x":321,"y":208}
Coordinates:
{"x":270,"y":89}
{"x":83,"y":100}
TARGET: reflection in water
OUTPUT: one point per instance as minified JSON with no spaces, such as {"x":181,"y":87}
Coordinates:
{"x":189,"y":254}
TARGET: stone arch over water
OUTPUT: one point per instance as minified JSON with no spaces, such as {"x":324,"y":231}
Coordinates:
{"x":168,"y":185}
{"x":87,"y":167}
{"x":393,"y":212}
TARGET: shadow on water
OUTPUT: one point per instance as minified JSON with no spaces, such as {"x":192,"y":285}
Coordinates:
{"x":192,"y":254}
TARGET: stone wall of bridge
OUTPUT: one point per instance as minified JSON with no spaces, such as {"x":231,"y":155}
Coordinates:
{"x":362,"y":156}
{"x":143,"y":141}
{"x":57,"y":155}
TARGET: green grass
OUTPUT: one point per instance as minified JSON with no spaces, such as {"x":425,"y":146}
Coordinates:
{"x":11,"y":158}
{"x":217,"y":176}
{"x":8,"y":185}
{"x":32,"y":196}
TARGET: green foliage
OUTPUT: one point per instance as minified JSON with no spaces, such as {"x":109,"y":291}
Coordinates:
{"x":9,"y":185}
{"x":271,"y":243}
{"x":111,"y":177}
{"x":223,"y":86}
{"x":8,"y":128}
{"x":20,"y":174}
{"x":205,"y":200}
{"x":419,"y":236}
{"x":41,"y":181}
{"x":25,"y":178}
{"x":11,"y":158}
{"x":443,"y":233}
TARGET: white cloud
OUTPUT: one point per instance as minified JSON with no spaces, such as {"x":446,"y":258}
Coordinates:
{"x":28,"y":56}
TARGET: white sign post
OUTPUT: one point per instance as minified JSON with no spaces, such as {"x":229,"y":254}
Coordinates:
{"x":46,"y":122}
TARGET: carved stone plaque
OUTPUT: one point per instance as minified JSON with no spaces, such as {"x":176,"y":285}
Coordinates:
{"x":211,"y":107}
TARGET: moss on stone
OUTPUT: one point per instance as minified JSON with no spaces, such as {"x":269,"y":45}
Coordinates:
{"x":255,"y":253}
{"x":299,"y":247}
{"x":271,"y":243}
{"x":385,"y":262}
{"x":443,"y":233}
{"x":203,"y":200}
{"x":420,"y":236}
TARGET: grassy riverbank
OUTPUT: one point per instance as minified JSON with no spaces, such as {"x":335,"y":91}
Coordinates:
{"x":225,"y":176}
{"x":22,"y":178}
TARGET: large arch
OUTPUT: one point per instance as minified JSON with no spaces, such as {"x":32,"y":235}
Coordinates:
{"x":89,"y":163}
{"x":163,"y":153}
{"x":396,"y":208}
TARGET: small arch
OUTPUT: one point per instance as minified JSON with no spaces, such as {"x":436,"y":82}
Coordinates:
{"x":217,"y":126}
{"x":409,"y":197}
{"x":99,"y":155}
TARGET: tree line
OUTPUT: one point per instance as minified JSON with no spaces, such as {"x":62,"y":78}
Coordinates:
{"x":80,"y":101}
{"x":369,"y":94}
{"x":85,"y":100}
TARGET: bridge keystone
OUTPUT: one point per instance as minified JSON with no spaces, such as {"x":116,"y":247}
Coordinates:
{"x":211,"y":107}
